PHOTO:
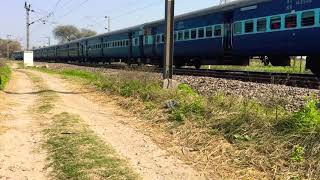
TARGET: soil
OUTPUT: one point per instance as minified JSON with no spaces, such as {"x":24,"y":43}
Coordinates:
{"x":21,"y":156}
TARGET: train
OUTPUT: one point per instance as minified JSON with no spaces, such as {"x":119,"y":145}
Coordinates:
{"x":220,"y":35}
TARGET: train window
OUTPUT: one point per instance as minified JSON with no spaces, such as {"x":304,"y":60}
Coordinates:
{"x":248,"y":26}
{"x":217,"y":30}
{"x":180,"y":35}
{"x":209,"y":31}
{"x":237,"y":28}
{"x":291,"y":21}
{"x":307,"y":18}
{"x":127,"y":42}
{"x":200,"y":32}
{"x":261,"y":25}
{"x":186,"y":34}
{"x":193,"y":33}
{"x":275,"y":22}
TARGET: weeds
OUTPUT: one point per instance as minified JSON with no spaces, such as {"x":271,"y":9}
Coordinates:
{"x":297,"y":154}
{"x":77,"y":153}
{"x":308,"y":117}
{"x":5,"y":73}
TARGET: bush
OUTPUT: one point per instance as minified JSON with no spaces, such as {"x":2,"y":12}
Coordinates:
{"x":297,"y":154}
{"x":308,"y":117}
{"x":5,"y":73}
{"x":190,"y":104}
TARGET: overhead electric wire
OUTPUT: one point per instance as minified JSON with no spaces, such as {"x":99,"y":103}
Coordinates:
{"x":132,"y":11}
{"x":73,"y":9}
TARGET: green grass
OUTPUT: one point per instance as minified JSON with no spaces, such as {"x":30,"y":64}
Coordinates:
{"x":254,"y":129}
{"x":5,"y":74}
{"x":45,"y":102}
{"x":257,"y":65}
{"x":77,"y":153}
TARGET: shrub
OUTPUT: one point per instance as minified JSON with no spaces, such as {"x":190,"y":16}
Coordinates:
{"x":190,"y":104}
{"x":308,"y":117}
{"x":297,"y":154}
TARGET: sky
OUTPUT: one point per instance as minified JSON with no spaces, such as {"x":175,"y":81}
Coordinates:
{"x":84,"y":14}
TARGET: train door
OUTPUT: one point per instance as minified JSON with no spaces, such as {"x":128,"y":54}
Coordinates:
{"x":141,"y":43}
{"x":130,"y":50}
{"x":227,"y":31}
{"x":154,"y":41}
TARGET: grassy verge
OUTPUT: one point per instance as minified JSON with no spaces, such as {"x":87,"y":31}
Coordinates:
{"x":75,"y":151}
{"x":5,"y":73}
{"x":235,"y":136}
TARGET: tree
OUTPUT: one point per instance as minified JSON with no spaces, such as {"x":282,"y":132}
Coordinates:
{"x":68,"y":33}
{"x":87,"y":33}
{"x":12,"y":44}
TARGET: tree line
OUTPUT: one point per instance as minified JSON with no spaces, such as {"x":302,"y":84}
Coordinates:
{"x":12,"y":44}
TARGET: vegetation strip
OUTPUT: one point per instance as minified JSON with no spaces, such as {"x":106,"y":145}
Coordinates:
{"x":242,"y":133}
{"x":75,"y":151}
{"x":78,"y":153}
{"x":5,"y":74}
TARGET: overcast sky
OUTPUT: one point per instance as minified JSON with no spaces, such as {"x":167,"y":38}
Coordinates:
{"x":85,"y":14}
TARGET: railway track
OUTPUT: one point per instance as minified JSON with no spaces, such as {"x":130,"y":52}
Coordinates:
{"x":289,"y":79}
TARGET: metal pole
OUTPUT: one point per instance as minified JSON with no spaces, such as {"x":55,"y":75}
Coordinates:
{"x":168,"y":51}
{"x":28,"y":9}
{"x":109,"y":23}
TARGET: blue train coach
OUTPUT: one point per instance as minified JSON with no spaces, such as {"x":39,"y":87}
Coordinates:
{"x":227,"y":34}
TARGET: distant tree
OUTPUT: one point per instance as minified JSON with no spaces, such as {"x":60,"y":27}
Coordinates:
{"x":13,"y":46}
{"x":68,"y":33}
{"x":87,"y":32}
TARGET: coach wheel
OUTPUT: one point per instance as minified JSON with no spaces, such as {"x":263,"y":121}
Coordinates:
{"x":280,"y":60}
{"x":313,"y":63}
{"x":197,"y":64}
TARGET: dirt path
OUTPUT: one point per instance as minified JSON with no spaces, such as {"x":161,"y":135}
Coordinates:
{"x":147,"y":158}
{"x":21,"y":156}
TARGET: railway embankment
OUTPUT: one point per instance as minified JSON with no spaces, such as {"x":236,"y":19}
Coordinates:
{"x":222,"y":134}
{"x":5,"y":73}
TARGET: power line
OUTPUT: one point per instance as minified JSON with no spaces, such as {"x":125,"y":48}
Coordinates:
{"x":73,"y":9}
{"x":101,"y":23}
{"x":57,"y":4}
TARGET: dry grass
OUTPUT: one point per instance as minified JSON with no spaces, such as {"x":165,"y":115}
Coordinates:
{"x":229,"y":138}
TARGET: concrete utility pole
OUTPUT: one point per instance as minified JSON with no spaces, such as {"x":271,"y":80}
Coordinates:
{"x":8,"y":45}
{"x":168,"y":48}
{"x":109,"y":23}
{"x":28,"y":9}
{"x":49,"y":40}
